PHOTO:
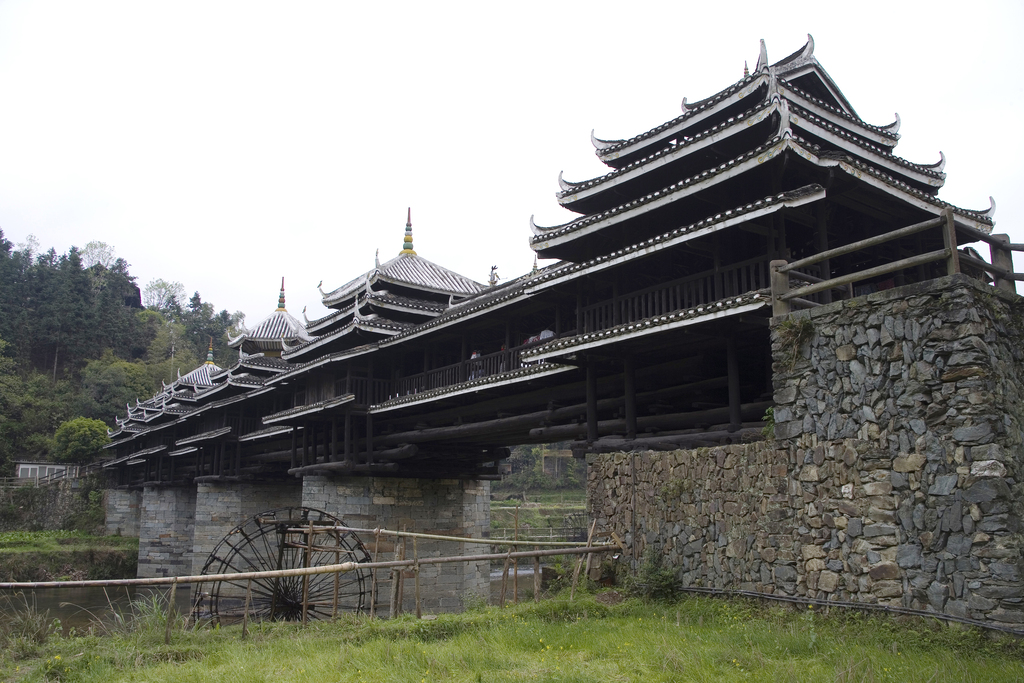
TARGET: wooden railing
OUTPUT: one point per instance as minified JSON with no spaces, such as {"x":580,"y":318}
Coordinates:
{"x":687,"y":292}
{"x":1001,"y":268}
{"x":463,"y":371}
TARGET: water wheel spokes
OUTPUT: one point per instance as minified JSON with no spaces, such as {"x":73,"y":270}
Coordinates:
{"x":287,"y":538}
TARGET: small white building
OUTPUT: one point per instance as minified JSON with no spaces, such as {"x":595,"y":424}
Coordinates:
{"x":41,"y":470}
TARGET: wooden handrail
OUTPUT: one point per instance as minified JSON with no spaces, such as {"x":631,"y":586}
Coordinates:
{"x":850,"y":278}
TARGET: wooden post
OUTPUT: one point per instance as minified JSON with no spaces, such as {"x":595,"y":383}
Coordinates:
{"x":245,"y":610}
{"x":396,"y":573}
{"x":334,"y":439}
{"x":949,"y":241}
{"x":504,"y":580}
{"x":733,"y":369}
{"x":536,"y":576}
{"x":515,"y":561}
{"x":579,"y":563}
{"x":369,"y":437}
{"x":1002,"y":257}
{"x":416,"y":576}
{"x":373,"y":576}
{"x":170,"y":611}
{"x":305,"y":442}
{"x":780,"y":286}
{"x":591,"y":401}
{"x":337,"y":576}
{"x":629,"y":380}
{"x":347,"y":438}
{"x":295,"y":430}
{"x":305,"y":579}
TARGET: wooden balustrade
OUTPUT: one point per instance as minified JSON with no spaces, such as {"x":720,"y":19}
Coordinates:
{"x":1001,"y":268}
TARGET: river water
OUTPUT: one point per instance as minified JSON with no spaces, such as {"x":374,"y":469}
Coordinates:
{"x":79,"y":608}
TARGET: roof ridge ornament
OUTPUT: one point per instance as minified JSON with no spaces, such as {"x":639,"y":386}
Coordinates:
{"x":376,"y":258}
{"x":280,"y":297}
{"x":684,"y":106}
{"x":893,"y":127}
{"x":762,"y":58}
{"x":746,"y":69}
{"x":304,"y":317}
{"x":938,"y":165}
{"x":562,"y":183}
{"x":808,"y":52}
{"x":991,"y":208}
{"x":209,"y":353}
{"x":319,"y":286}
{"x":407,"y":243}
{"x":600,"y":144}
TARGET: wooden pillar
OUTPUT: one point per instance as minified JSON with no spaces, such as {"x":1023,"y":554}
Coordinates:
{"x":629,"y":381}
{"x":821,"y":243}
{"x":238,"y":459}
{"x":591,"y":401}
{"x":294,"y":430}
{"x":305,"y":443}
{"x":579,"y":307}
{"x":347,"y":438}
{"x":334,"y":439}
{"x":369,"y":437}
{"x":733,"y":368}
{"x":949,"y":239}
{"x":780,"y":286}
{"x":1002,"y":257}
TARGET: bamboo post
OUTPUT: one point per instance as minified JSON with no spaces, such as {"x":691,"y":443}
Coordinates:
{"x":579,"y":563}
{"x":393,"y":598}
{"x":515,"y":562}
{"x":373,"y":576}
{"x":337,"y":576}
{"x":305,"y":579}
{"x":170,"y":611}
{"x":401,"y":577}
{"x":416,"y":575}
{"x":245,"y":611}
{"x":504,"y":580}
{"x":536,"y":576}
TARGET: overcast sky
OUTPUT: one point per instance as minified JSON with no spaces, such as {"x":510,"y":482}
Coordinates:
{"x":225,"y":145}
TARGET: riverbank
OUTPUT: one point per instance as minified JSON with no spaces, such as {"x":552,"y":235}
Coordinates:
{"x":596,"y":638}
{"x":66,"y":556}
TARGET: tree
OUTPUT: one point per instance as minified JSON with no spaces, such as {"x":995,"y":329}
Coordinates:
{"x":161,"y":295}
{"x":98,"y":254}
{"x":108,"y":383}
{"x":79,"y":441}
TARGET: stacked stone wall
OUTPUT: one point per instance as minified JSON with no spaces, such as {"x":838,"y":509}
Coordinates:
{"x":895,"y":474}
{"x":220,"y":507}
{"x":123,"y":508}
{"x":448,"y":507}
{"x":165,"y":531}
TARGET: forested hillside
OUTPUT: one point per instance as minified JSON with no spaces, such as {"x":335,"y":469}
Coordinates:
{"x":79,"y":339}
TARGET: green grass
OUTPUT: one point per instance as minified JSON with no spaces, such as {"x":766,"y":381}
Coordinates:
{"x":697,"y":639}
{"x":62,"y":555}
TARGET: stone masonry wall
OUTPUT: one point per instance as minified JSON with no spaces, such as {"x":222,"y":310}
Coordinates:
{"x":123,"y":509}
{"x":165,"y":532}
{"x":448,"y":507}
{"x":895,"y":474}
{"x":220,"y":507}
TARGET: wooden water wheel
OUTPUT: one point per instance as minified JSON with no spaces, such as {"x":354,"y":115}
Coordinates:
{"x":286,"y":538}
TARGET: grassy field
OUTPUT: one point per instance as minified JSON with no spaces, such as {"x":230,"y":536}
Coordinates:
{"x":591,"y":639}
{"x":63,"y":555}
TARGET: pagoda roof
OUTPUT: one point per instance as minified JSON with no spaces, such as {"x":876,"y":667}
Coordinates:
{"x":548,"y":237}
{"x":408,"y":270}
{"x":201,"y":376}
{"x":373,"y":323}
{"x":798,"y":72}
{"x":268,"y":334}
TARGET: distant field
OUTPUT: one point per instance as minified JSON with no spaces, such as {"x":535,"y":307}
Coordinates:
{"x":62,"y":555}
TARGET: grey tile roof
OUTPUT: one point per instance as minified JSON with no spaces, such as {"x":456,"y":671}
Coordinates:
{"x":411,"y":271}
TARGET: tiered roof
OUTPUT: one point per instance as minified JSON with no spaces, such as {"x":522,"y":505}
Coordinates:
{"x":674,"y":172}
{"x":383,"y":302}
{"x":273,"y":332}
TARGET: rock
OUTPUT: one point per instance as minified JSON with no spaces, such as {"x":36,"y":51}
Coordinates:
{"x":812,"y":551}
{"x":887,"y":589}
{"x":873,"y":530}
{"x":809,"y":473}
{"x":973,"y":433}
{"x":846,"y":353}
{"x":912,"y":462}
{"x":985,"y":490}
{"x":988,"y":468}
{"x":989,"y":451}
{"x":944,"y":485}
{"x":785,"y":574}
{"x":908,"y":556}
{"x":854,"y":528}
{"x":884,"y":570}
{"x":878,"y":488}
{"x":828,"y":581}
{"x":938,"y":593}
{"x":814,"y":565}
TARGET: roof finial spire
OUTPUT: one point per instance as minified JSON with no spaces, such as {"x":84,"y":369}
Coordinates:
{"x":407,"y":244}
{"x":746,"y":69}
{"x":209,"y":354}
{"x":280,"y":298}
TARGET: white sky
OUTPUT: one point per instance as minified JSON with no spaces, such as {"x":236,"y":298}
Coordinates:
{"x":225,"y":145}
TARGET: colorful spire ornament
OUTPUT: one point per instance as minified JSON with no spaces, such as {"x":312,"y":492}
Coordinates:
{"x":280,"y":298}
{"x":209,"y":354}
{"x":407,"y":244}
